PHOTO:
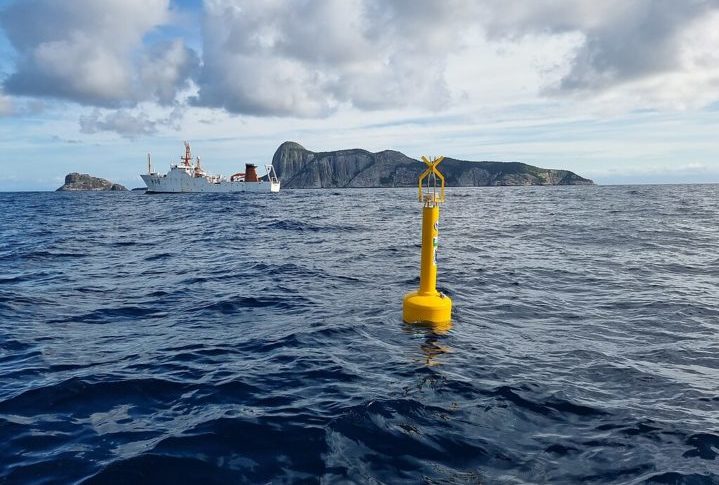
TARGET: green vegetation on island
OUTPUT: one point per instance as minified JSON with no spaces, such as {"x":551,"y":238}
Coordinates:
{"x":298,"y":167}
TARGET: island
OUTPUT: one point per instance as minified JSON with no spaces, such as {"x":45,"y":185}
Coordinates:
{"x":75,"y":182}
{"x":298,"y":167}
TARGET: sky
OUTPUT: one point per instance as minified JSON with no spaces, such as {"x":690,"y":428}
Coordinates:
{"x":620,"y":91}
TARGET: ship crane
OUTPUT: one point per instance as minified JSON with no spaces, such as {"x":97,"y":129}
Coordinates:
{"x":198,"y":169}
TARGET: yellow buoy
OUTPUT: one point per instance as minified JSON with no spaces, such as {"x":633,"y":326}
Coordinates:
{"x":427,"y":305}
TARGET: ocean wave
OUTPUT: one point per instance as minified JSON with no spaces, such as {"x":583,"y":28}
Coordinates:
{"x":259,"y":339}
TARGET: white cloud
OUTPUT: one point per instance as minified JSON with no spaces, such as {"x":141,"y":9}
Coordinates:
{"x":166,"y":70}
{"x":315,"y":58}
{"x":290,"y":58}
{"x":640,"y":54}
{"x":6,"y":105}
{"x":76,"y":66}
{"x":86,"y":51}
{"x":130,"y":124}
{"x":307,"y":58}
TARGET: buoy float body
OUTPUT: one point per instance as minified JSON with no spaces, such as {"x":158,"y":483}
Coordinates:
{"x":427,"y":305}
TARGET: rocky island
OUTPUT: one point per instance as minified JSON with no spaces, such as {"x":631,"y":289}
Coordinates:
{"x":82,"y":181}
{"x":298,"y":167}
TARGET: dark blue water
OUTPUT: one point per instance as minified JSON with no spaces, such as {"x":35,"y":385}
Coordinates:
{"x":254,"y":338}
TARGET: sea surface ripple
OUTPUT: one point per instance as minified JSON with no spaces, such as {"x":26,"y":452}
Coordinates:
{"x":258,"y":338}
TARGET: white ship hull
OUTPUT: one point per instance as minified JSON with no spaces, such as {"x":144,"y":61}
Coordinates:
{"x":190,"y":177}
{"x":178,"y":180}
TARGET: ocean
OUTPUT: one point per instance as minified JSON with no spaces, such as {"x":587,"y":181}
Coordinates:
{"x":258,"y":338}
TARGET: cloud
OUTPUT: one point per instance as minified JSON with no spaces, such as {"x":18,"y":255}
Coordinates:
{"x":6,"y":105}
{"x":122,"y":122}
{"x":307,"y":58}
{"x":311,"y":58}
{"x":166,"y":70}
{"x":130,"y":124}
{"x":624,"y":43}
{"x":86,"y":51}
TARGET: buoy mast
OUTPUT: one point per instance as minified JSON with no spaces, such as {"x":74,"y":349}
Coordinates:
{"x":427,"y":305}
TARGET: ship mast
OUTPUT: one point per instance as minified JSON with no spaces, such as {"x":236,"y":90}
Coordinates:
{"x":188,"y":155}
{"x":149,"y":165}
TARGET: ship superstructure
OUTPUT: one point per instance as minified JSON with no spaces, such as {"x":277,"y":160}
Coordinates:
{"x":189,"y":176}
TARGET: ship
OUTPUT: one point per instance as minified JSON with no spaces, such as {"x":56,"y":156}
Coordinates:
{"x":189,"y":176}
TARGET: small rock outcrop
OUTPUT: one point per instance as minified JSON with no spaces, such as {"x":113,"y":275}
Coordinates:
{"x":82,"y":181}
{"x":298,"y":167}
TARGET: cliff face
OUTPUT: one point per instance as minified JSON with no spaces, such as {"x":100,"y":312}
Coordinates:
{"x":82,"y":181}
{"x":300,"y":168}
